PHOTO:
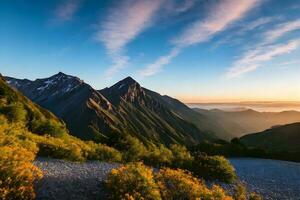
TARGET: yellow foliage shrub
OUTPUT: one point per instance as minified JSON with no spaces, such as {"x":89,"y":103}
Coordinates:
{"x":17,"y":173}
{"x":136,"y":181}
{"x":132,"y":181}
{"x":180,"y":184}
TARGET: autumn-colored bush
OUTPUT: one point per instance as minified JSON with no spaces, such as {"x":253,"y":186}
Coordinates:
{"x":17,"y":173}
{"x":132,"y":181}
{"x":180,"y":184}
{"x":213,"y":168}
{"x":136,"y":181}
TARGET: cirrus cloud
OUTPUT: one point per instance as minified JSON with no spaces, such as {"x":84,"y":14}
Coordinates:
{"x":122,"y":25}
{"x":203,"y":30}
{"x":255,"y":58}
{"x":66,"y":10}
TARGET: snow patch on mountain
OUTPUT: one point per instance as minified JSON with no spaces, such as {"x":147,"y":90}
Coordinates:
{"x":121,"y":86}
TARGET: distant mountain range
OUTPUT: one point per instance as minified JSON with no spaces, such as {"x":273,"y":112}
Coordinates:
{"x":239,"y":123}
{"x":279,"y":138}
{"x":125,"y":107}
{"x":128,"y":108}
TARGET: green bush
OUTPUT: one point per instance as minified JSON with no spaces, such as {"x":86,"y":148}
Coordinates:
{"x":132,"y":181}
{"x":132,"y":148}
{"x":181,"y":156}
{"x":15,"y":112}
{"x":103,"y":153}
{"x":57,"y":149}
{"x":213,"y":168}
{"x":159,"y":156}
{"x":48,"y":127}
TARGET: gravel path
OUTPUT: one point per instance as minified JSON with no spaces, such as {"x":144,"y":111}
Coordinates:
{"x":63,"y":180}
{"x":273,"y":179}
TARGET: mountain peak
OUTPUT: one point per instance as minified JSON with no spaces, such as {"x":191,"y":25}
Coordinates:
{"x":128,"y":81}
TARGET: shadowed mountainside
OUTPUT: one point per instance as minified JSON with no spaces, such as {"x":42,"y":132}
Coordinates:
{"x":125,"y":107}
{"x":279,"y":138}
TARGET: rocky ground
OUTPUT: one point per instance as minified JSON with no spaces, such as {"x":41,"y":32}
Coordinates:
{"x":63,"y":180}
{"x":273,"y":179}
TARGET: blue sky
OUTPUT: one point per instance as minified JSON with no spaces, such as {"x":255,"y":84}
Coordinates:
{"x":194,"y":50}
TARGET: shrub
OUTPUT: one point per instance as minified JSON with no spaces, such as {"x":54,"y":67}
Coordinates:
{"x":48,"y":127}
{"x":133,"y":149}
{"x":17,"y":173}
{"x":181,"y":156}
{"x":254,"y":196}
{"x":213,"y":168}
{"x":102,"y":153}
{"x":240,"y":192}
{"x":179,"y":184}
{"x":132,"y":181}
{"x":159,"y":156}
{"x":15,"y":112}
{"x":58,"y":149}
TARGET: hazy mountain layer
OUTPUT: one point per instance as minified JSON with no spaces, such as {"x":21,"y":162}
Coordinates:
{"x":240,"y":123}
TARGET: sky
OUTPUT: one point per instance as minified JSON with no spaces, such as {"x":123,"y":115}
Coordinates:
{"x":193,"y":50}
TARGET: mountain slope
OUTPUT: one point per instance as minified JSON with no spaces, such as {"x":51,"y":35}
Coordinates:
{"x":146,"y":112}
{"x":280,"y":138}
{"x":125,"y":107}
{"x":77,"y":103}
{"x":239,"y":123}
{"x":19,"y":108}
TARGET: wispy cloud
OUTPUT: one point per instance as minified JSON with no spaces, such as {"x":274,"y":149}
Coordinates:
{"x":122,"y":25}
{"x":219,"y":18}
{"x":258,"y":23}
{"x":181,"y":6}
{"x":119,"y":63}
{"x":281,"y":30}
{"x":292,"y":62}
{"x":158,"y":64}
{"x":265,"y":50}
{"x":126,"y":22}
{"x":254,"y":58}
{"x":66,"y":10}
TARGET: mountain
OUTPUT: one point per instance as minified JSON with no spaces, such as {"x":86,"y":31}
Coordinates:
{"x":77,"y":103}
{"x":18,"y":108}
{"x":279,"y":138}
{"x":125,"y":107}
{"x":238,"y":123}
